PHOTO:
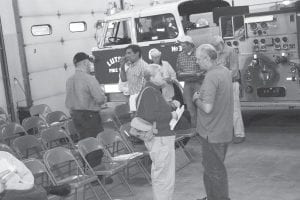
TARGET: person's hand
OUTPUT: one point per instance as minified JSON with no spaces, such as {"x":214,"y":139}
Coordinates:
{"x":174,"y":115}
{"x":122,"y":62}
{"x":196,"y":96}
{"x":168,"y":80}
{"x":175,"y":104}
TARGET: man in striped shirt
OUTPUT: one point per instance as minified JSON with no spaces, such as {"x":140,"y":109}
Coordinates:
{"x":132,"y":71}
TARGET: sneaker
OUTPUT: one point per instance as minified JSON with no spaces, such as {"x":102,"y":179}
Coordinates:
{"x":237,"y":140}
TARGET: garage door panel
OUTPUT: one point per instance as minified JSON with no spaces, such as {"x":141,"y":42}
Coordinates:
{"x":53,"y":82}
{"x":60,"y":28}
{"x":55,"y":55}
{"x":44,"y":7}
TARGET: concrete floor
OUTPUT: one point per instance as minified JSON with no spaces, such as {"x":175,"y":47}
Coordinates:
{"x":265,"y":167}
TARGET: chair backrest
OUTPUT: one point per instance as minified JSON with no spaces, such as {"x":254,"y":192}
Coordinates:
{"x":28,"y":146}
{"x":4,"y":147}
{"x":56,"y":116}
{"x":3,"y":114}
{"x":2,"y":122}
{"x":62,"y":164}
{"x":54,"y":137}
{"x":88,"y":145}
{"x":128,"y":139}
{"x":11,"y":131}
{"x":121,"y":114}
{"x":39,"y":171}
{"x":40,"y":110}
{"x":112,"y":142}
{"x":34,"y":124}
{"x":72,"y":131}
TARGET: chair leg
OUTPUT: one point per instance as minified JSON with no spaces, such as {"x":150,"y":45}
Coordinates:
{"x":104,"y":189}
{"x":123,"y":180}
{"x":187,"y":152}
{"x":144,"y":171}
{"x":95,"y":192}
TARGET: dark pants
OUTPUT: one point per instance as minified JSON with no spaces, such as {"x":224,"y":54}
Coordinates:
{"x":87,"y":123}
{"x":215,"y":174}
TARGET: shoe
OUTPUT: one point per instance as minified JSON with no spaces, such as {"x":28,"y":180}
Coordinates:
{"x":204,"y":198}
{"x":238,"y":140}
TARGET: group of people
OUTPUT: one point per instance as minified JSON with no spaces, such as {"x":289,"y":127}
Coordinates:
{"x":211,"y":95}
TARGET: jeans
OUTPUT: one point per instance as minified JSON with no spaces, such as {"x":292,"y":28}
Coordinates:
{"x":238,"y":123}
{"x":87,"y":123}
{"x":215,"y":174}
{"x":188,"y":92}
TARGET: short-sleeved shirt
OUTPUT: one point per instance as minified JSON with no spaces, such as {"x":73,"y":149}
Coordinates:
{"x":216,"y":89}
{"x":229,"y":58}
{"x":135,"y":76}
{"x":84,"y":92}
{"x":187,"y":62}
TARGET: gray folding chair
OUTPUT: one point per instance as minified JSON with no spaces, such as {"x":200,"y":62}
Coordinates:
{"x":40,"y":110}
{"x":55,"y":137}
{"x":65,"y":169}
{"x":115,"y":146}
{"x":28,"y":146}
{"x":34,"y":124}
{"x":11,"y":131}
{"x":104,"y":166}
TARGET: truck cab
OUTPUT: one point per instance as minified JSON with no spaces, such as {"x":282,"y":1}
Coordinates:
{"x":158,"y":26}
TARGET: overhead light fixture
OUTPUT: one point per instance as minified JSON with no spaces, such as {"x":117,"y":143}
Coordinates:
{"x":286,"y":3}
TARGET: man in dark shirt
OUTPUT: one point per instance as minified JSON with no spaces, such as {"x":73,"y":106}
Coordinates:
{"x":214,"y":121}
{"x":84,"y":98}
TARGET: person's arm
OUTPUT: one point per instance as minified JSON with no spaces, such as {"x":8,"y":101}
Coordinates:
{"x":205,"y":99}
{"x":96,"y":91}
{"x":21,"y":179}
{"x":123,"y":71}
{"x":234,"y":64}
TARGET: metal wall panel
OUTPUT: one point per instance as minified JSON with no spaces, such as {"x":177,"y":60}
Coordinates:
{"x":49,"y":58}
{"x":46,"y":7}
{"x":60,"y":28}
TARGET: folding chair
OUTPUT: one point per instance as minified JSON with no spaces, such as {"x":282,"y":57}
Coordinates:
{"x":122,"y":115}
{"x":11,"y":131}
{"x":28,"y":146}
{"x":72,"y":132}
{"x":54,"y":137}
{"x":2,"y":122}
{"x":115,"y":146}
{"x":33,"y":125}
{"x":106,"y":167}
{"x":41,"y":175}
{"x":65,"y":169}
{"x":3,"y":114}
{"x":4,"y":147}
{"x":40,"y":110}
{"x":56,"y":117}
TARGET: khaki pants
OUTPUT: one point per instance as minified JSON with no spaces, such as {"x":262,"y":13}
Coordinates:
{"x":162,"y":153}
{"x":238,"y":123}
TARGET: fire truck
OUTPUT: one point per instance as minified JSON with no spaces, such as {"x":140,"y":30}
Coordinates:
{"x":267,"y":44}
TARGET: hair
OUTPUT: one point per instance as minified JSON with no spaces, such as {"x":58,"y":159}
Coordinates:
{"x":209,"y":50}
{"x":160,"y":61}
{"x":135,"y":48}
{"x":151,"y":70}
